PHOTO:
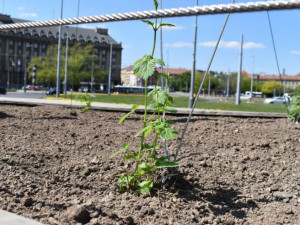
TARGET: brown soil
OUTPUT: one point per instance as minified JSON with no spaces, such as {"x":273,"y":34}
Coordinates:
{"x":55,"y":168}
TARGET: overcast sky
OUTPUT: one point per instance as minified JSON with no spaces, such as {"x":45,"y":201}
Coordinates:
{"x":137,"y":38}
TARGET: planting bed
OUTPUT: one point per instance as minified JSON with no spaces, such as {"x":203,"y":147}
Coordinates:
{"x":55,"y":168}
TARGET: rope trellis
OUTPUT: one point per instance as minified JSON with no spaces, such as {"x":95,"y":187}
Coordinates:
{"x":179,"y":12}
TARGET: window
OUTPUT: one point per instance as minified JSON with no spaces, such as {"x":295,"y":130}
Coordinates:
{"x":35,"y":53}
{"x":96,"y":51}
{"x":97,"y":43}
{"x":11,"y":51}
{"x":44,"y":46}
{"x":28,"y":35}
{"x":104,"y":52}
{"x":19,"y":51}
{"x":20,"y":43}
{"x":11,"y":32}
{"x":51,"y":38}
{"x":36,"y":36}
{"x":113,"y":52}
{"x":20,"y":33}
{"x":35,"y":45}
{"x":11,"y":42}
{"x":103,"y":59}
{"x":44,"y":37}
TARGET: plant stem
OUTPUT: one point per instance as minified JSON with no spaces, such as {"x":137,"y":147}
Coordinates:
{"x":146,"y":103}
{"x":144,"y":125}
{"x":154,"y":41}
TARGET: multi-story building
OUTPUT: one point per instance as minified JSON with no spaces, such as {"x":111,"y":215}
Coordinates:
{"x":17,"y":46}
{"x":287,"y":81}
{"x":129,"y":79}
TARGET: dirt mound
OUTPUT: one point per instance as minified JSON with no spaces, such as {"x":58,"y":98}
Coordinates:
{"x":55,"y":168}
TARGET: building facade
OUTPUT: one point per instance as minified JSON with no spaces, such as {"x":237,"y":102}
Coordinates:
{"x":287,"y":81}
{"x":129,"y":79}
{"x":17,"y":46}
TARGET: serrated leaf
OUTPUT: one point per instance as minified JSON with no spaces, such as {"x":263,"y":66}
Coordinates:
{"x":145,"y":186}
{"x":145,"y":130}
{"x":148,"y":22}
{"x":159,"y":62}
{"x":145,"y":67}
{"x":145,"y":167}
{"x":139,"y":172}
{"x":168,"y":133}
{"x":125,"y":147}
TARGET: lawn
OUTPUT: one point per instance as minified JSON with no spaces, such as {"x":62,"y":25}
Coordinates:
{"x":182,"y":102}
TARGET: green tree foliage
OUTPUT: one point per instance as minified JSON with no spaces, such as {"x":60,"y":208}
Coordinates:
{"x":269,"y":87}
{"x":80,"y":63}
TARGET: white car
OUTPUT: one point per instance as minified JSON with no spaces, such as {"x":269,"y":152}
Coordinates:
{"x":276,"y":100}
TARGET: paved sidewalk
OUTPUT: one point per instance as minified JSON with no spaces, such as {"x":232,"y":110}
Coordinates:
{"x":7,"y":218}
{"x":126,"y":108}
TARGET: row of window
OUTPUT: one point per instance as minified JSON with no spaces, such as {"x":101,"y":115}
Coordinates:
{"x":50,"y":35}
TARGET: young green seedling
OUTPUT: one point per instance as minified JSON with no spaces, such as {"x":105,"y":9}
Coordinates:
{"x":155,"y":126}
{"x":86,"y":100}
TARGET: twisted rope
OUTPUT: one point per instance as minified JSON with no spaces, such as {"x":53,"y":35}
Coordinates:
{"x":175,"y":12}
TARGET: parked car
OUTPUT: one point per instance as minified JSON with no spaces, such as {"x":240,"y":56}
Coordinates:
{"x":276,"y":100}
{"x":245,"y":97}
{"x":2,"y":90}
{"x":52,"y":91}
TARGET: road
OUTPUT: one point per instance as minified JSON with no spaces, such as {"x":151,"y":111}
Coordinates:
{"x":28,"y":94}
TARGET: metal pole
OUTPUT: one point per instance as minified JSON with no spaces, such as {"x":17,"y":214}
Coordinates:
{"x":191,"y":99}
{"x":252,"y":75}
{"x":227,"y":90}
{"x":92,"y":73}
{"x":66,"y":65}
{"x":59,"y":53}
{"x":8,"y":77}
{"x":238,"y":84}
{"x":283,"y":73}
{"x":208,"y":84}
{"x":110,"y":65}
{"x":161,"y":52}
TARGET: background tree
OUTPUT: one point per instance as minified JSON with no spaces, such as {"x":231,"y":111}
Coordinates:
{"x":269,"y":87}
{"x":80,"y":63}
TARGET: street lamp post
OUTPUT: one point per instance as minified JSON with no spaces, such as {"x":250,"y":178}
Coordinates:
{"x":25,"y":71}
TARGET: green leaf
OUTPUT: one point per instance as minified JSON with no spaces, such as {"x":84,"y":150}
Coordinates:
{"x":145,"y":130}
{"x":164,"y":162}
{"x":125,"y":147}
{"x":159,"y":62}
{"x":148,"y":22}
{"x":155,"y":4}
{"x":145,"y":167}
{"x":130,"y":156}
{"x":134,"y":107}
{"x":139,"y":172}
{"x":168,"y":133}
{"x":166,"y":25}
{"x":145,"y":67}
{"x":145,"y":186}
{"x":171,"y":110}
